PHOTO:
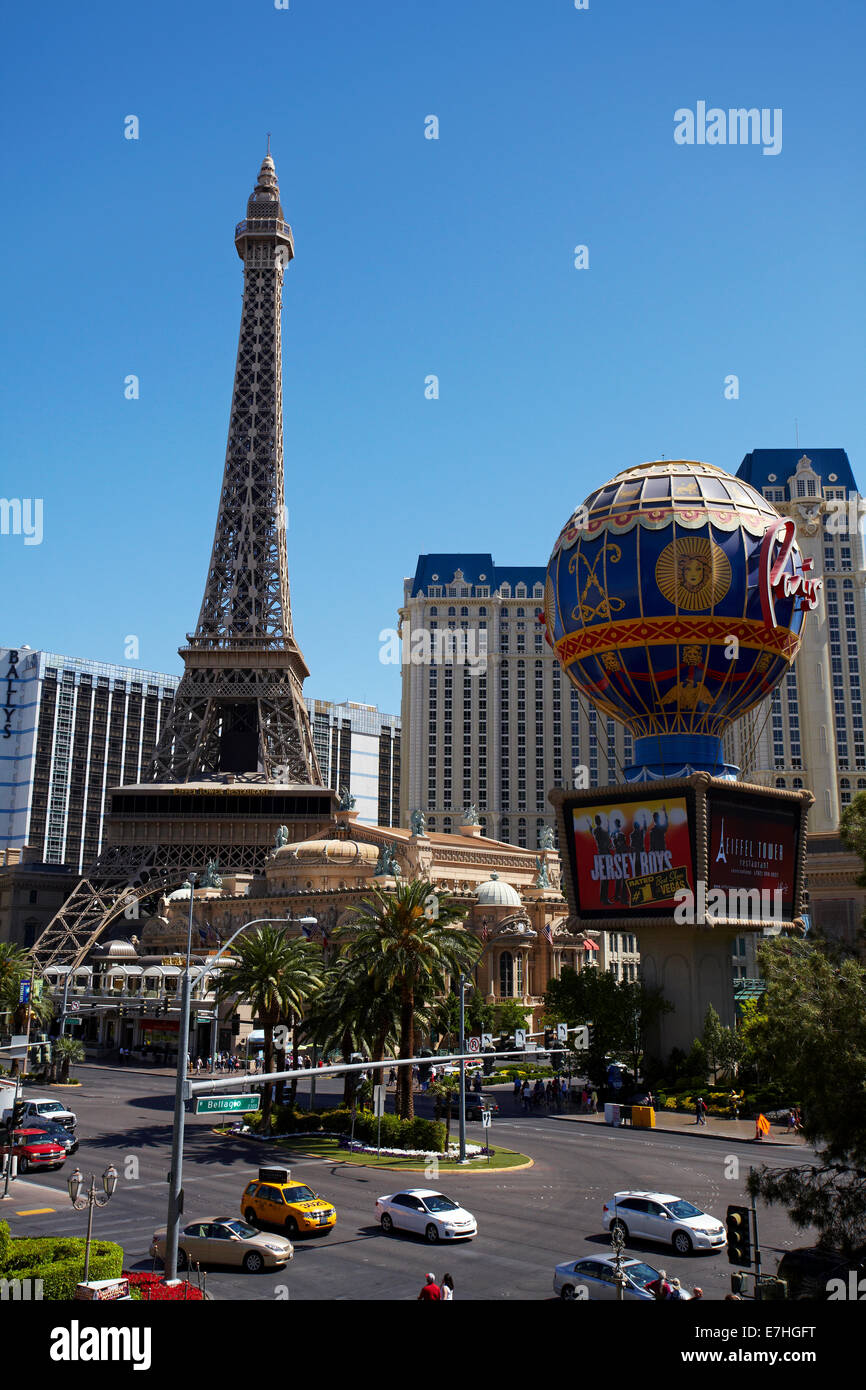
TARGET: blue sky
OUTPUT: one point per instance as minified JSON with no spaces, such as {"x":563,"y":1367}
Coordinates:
{"x":452,"y":257}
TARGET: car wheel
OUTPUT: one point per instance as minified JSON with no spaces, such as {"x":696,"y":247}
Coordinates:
{"x":621,"y":1227}
{"x":567,"y":1292}
{"x":432,"y":1234}
{"x":23,"y":1165}
{"x":387,"y":1224}
{"x":250,"y":1216}
{"x":291,"y":1227}
{"x":253,"y":1262}
{"x":682,"y":1243}
{"x":182,"y":1259}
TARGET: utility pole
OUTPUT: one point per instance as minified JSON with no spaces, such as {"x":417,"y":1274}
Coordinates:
{"x":175,"y":1177}
{"x":462,"y":1066}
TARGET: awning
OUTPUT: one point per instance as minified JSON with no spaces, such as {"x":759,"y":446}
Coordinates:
{"x":257,"y":1036}
{"x":590,"y":945}
{"x":162,"y":970}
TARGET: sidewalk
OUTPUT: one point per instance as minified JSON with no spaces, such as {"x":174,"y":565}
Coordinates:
{"x":715,"y":1128}
{"x":194,"y":1075}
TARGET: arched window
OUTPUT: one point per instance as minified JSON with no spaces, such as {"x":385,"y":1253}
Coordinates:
{"x":780,"y":781}
{"x":434,"y":611}
{"x":452,"y":612}
{"x":506,"y":975}
{"x":464,"y":612}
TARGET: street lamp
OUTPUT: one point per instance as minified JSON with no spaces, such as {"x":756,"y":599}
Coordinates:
{"x":90,"y":1200}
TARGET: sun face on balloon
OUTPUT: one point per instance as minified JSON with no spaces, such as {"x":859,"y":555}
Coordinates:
{"x":693,"y":573}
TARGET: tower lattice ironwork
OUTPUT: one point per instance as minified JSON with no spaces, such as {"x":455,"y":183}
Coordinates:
{"x":239,"y":707}
{"x":235,"y":757}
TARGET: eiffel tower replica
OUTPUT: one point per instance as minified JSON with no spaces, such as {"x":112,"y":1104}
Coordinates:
{"x":235,"y":761}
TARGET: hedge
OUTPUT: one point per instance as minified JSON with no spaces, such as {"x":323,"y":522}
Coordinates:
{"x":397,"y":1133}
{"x":57,"y":1260}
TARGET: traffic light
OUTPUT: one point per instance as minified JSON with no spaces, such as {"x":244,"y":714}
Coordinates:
{"x":548,"y":1039}
{"x":739,"y":1283}
{"x":738,"y":1226}
{"x":18,"y":1114}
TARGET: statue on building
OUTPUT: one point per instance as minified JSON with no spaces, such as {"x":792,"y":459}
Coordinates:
{"x":542,"y":878}
{"x":470,"y":815}
{"x":418,"y":823}
{"x":546,"y":838}
{"x":281,"y":839}
{"x":210,"y":878}
{"x":346,"y":800}
{"x":387,"y":866}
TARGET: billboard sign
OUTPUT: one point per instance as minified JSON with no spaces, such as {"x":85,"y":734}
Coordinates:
{"x":631,"y":855}
{"x":753,"y":847}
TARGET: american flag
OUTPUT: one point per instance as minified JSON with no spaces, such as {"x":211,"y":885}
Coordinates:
{"x":548,"y":932}
{"x":308,"y":932}
{"x":485,"y":930}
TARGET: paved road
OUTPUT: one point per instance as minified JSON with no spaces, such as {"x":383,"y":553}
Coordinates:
{"x":528,"y":1221}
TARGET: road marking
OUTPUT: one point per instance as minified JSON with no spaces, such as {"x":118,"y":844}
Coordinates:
{"x":34,"y":1211}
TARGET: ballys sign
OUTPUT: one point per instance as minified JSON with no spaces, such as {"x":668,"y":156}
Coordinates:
{"x":774,"y":581}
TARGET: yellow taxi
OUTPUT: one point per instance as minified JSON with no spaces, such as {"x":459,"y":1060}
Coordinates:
{"x":273,"y":1199}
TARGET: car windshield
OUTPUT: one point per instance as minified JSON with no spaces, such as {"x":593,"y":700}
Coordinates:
{"x":299,"y":1194}
{"x":681,"y":1209}
{"x":641,"y":1274}
{"x":240,"y":1228}
{"x":440,"y":1203}
{"x":49,"y":1107}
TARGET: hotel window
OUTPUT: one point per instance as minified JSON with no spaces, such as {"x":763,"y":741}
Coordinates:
{"x":506,"y":975}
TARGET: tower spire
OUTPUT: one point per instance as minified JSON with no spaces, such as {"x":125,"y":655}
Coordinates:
{"x":239,"y":708}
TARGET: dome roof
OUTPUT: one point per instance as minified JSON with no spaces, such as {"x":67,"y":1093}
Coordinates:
{"x":343,"y":853}
{"x":179,"y":895}
{"x":119,"y":950}
{"x":495,"y":893}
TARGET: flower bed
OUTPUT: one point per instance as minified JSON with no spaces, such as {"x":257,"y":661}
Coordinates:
{"x":152,"y":1288}
{"x":354,"y":1146}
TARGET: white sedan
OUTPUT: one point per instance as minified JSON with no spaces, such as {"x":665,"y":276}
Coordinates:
{"x":426,"y":1213}
{"x":594,"y":1278}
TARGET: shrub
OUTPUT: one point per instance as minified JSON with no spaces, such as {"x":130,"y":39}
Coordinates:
{"x":59,"y":1262}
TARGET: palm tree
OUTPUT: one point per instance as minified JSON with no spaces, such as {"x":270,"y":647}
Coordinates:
{"x":411,"y":955}
{"x":444,"y":1092}
{"x":276,"y":975}
{"x":353,"y":1014}
{"x":15,"y":967}
{"x":68,"y":1050}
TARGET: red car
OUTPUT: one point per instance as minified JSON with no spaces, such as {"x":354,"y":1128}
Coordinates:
{"x":33,"y":1150}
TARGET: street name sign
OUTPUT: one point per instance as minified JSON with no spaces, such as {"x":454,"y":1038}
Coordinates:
{"x":209,"y":1105}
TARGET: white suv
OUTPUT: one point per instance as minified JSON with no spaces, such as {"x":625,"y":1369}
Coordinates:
{"x":668,"y":1220}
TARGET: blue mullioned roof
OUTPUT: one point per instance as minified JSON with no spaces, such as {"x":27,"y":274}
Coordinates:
{"x":472,"y":568}
{"x":757,"y":466}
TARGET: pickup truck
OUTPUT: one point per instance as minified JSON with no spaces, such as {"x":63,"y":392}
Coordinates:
{"x":44,"y":1108}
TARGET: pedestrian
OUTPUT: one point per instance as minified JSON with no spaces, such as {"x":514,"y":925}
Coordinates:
{"x":593,"y":1102}
{"x":526,"y":1092}
{"x":697,"y":1293}
{"x":734,"y":1105}
{"x":392,"y":1076}
{"x":660,"y":1288}
{"x":698,"y":1104}
{"x":517,"y":1088}
{"x":677,"y":1290}
{"x":431,"y":1292}
{"x":446,"y":1288}
{"x":477,"y":1083}
{"x":198,"y":1064}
